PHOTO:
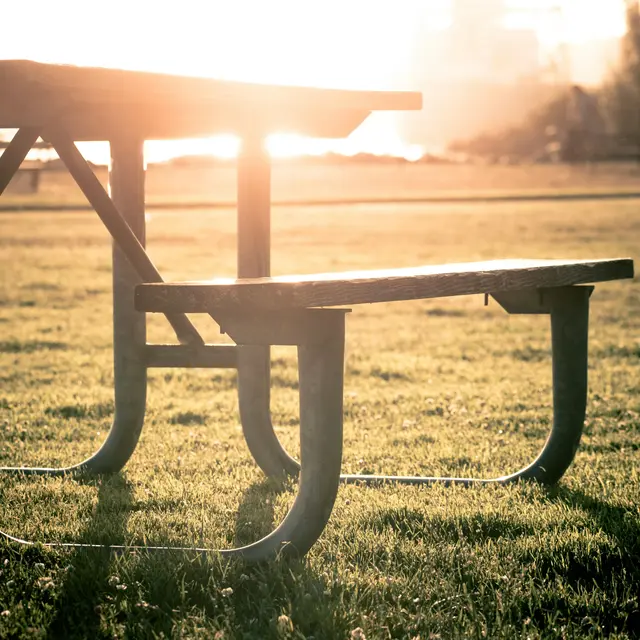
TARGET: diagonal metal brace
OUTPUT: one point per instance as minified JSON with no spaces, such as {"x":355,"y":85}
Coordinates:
{"x":116,"y":225}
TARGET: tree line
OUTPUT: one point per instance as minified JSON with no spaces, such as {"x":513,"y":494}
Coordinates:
{"x":578,"y":125}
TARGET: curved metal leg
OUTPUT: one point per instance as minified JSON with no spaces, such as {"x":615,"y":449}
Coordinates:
{"x":321,"y":365}
{"x":255,"y":415}
{"x":126,"y":181}
{"x":254,"y":231}
{"x":130,"y":398}
{"x":569,"y":309}
{"x":569,"y":345}
{"x":321,"y":378}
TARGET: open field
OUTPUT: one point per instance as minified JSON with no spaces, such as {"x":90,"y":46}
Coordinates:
{"x":432,"y":387}
{"x":293,"y":182}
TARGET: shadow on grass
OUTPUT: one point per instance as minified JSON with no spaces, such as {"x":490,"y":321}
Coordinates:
{"x":610,"y":564}
{"x":87,"y":576}
{"x":562,"y":563}
{"x":471,"y":528}
{"x":612,"y":519}
{"x":621,"y":524}
{"x":146,"y":593}
{"x":256,"y":513}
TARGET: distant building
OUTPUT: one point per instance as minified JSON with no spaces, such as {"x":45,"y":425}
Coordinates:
{"x":27,"y":178}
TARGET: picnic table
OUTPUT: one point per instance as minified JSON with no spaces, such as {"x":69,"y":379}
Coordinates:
{"x":65,"y":104}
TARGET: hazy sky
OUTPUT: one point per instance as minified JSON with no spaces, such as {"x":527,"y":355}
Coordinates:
{"x":340,"y":43}
{"x":330,"y":42}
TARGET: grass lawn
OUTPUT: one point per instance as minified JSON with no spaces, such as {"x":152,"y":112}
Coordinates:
{"x":432,"y":387}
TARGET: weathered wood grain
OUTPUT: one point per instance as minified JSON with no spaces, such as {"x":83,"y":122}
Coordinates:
{"x":360,"y":287}
{"x":96,"y":104}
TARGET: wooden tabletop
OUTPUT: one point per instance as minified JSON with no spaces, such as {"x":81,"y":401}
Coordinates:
{"x":96,"y":104}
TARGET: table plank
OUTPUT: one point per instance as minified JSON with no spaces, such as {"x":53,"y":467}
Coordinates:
{"x":94,"y":103}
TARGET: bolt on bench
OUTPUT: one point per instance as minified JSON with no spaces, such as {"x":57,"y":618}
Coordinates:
{"x":63,"y":104}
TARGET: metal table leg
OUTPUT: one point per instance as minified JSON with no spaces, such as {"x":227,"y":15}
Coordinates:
{"x":254,"y":261}
{"x":319,"y":335}
{"x":127,"y":182}
{"x":127,"y":189}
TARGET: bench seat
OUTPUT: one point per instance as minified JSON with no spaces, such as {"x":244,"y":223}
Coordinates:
{"x":361,"y":287}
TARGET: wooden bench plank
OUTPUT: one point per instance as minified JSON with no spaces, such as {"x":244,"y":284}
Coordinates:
{"x":361,"y":287}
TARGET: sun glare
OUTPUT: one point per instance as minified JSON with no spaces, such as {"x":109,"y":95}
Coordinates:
{"x":353,"y":44}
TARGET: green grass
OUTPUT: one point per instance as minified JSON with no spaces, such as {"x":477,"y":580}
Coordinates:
{"x":432,"y":387}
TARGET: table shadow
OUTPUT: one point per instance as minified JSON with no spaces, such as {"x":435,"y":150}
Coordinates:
{"x":255,"y":517}
{"x":620,"y":523}
{"x":89,"y":569}
{"x":152,"y":592}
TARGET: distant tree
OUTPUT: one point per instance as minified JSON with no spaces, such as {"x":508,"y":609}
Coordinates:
{"x":584,"y":137}
{"x":578,"y":125}
{"x":623,"y":90}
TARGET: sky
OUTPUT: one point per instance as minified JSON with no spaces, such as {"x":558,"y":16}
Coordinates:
{"x":333,"y":43}
{"x":328,"y":42}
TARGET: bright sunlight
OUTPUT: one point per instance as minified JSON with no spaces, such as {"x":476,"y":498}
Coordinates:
{"x":354,"y":44}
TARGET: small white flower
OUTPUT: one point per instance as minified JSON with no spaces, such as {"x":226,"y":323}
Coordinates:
{"x":284,"y":623}
{"x":358,"y":634}
{"x":226,"y":592}
{"x":46,"y":583}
